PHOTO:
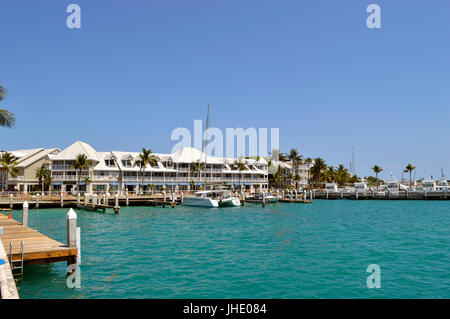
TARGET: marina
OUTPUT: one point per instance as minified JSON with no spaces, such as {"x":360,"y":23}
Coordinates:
{"x":281,"y":251}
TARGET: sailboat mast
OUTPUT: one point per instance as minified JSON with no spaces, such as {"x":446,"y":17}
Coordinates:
{"x":205,"y":139}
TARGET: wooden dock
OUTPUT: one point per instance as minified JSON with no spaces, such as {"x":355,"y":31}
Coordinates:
{"x":37,"y":248}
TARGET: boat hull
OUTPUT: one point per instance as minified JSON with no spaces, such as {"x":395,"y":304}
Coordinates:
{"x":200,"y":202}
{"x":230,"y":202}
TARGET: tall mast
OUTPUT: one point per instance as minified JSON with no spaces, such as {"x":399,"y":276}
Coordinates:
{"x":205,"y":139}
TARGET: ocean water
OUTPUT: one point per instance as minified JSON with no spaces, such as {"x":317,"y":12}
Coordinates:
{"x":281,"y":251}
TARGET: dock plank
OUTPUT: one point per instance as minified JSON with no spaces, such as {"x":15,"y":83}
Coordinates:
{"x":37,"y":247}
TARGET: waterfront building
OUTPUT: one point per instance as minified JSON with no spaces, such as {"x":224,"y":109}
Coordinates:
{"x":28,"y":162}
{"x":119,"y":171}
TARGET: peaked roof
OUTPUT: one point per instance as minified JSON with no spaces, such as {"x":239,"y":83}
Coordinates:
{"x":71,"y":152}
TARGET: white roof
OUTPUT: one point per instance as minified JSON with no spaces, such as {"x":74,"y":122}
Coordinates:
{"x":37,"y":156}
{"x":71,"y":152}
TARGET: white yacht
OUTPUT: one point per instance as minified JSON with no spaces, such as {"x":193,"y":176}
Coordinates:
{"x":202,"y":199}
{"x":228,"y":200}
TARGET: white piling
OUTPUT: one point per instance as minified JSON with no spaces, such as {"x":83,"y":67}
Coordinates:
{"x":104,"y":199}
{"x":116,"y":200}
{"x":165,"y":196}
{"x":25,"y":213}
{"x":86,"y":200}
{"x":79,"y":245}
{"x":11,"y":201}
{"x":173,"y":197}
{"x":327,"y":193}
{"x":304,"y":196}
{"x":127,"y":199}
{"x":71,"y":228}
{"x":37,"y":200}
{"x":62,"y":199}
{"x":78,"y":199}
{"x":182,"y":197}
{"x":94,"y":200}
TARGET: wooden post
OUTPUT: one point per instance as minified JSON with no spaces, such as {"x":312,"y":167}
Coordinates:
{"x":165,"y":196}
{"x":327,"y":193}
{"x":78,"y":199}
{"x":182,"y":197}
{"x":104,"y":199}
{"x":11,"y":201}
{"x":173,"y":200}
{"x":356,"y":194}
{"x":342,"y":193}
{"x":25,"y":213}
{"x":310,"y":196}
{"x":282,"y":194}
{"x":116,"y":204}
{"x":37,"y":200}
{"x":304,"y":196}
{"x":62,"y":199}
{"x":127,"y":199}
{"x":264,"y":199}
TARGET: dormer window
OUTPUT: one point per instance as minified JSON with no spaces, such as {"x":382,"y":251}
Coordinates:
{"x":127,"y":163}
{"x":110,"y":162}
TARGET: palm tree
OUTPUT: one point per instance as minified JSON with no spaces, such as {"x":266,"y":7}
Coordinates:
{"x":145,"y":158}
{"x":41,"y":174}
{"x":342,"y":175}
{"x":377,"y":170}
{"x":7,"y":119}
{"x":87,"y":180}
{"x":240,"y":166}
{"x":196,"y":169}
{"x":295,"y":158}
{"x":318,"y":170}
{"x":81,"y":163}
{"x":409,"y":168}
{"x":8,"y":164}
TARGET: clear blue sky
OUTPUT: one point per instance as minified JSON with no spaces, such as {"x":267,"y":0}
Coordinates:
{"x":138,"y":69}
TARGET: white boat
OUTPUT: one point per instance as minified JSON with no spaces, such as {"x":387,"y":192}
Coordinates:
{"x":271,"y":199}
{"x":202,"y":199}
{"x":230,"y":202}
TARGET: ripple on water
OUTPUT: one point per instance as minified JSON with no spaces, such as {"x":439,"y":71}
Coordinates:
{"x":282,"y":251}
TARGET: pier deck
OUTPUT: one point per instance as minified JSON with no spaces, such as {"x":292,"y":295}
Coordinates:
{"x":37,"y":248}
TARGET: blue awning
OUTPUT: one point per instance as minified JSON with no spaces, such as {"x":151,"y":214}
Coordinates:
{"x":171,"y":184}
{"x":82,"y":183}
{"x":114,"y":184}
{"x":130,"y":183}
{"x":183,"y":184}
{"x":57,"y":183}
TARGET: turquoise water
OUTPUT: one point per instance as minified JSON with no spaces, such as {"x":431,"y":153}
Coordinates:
{"x":281,"y":251}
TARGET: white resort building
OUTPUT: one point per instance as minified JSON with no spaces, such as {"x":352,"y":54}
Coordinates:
{"x":119,"y":171}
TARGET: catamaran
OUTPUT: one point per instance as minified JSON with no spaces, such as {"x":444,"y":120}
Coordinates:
{"x":210,"y":198}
